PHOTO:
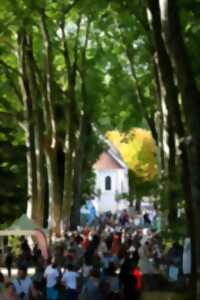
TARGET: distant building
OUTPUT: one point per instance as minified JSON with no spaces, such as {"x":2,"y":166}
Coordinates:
{"x":111,"y":181}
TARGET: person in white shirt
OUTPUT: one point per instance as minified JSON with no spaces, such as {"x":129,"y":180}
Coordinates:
{"x":187,"y":257}
{"x":51,"y":275}
{"x":70,"y":282}
{"x":23,"y":284}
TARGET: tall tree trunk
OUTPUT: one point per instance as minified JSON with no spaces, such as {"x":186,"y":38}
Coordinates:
{"x":159,"y":118}
{"x":84,"y":133}
{"x":70,"y":152}
{"x":170,"y":93}
{"x":163,"y":124}
{"x":78,"y":168}
{"x":51,"y":133}
{"x":29,"y":128}
{"x":172,"y":176}
{"x":68,"y":174}
{"x":38,"y":205}
{"x":141,"y":101}
{"x":138,"y":204}
{"x":31,"y":166}
{"x":54,"y":191}
{"x":191,"y":105}
{"x":166,"y":75}
{"x":71,"y":121}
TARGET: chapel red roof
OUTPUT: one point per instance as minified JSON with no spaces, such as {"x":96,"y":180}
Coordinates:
{"x":106,"y":162}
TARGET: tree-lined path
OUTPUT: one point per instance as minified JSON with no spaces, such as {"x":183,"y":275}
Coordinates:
{"x":74,"y":70}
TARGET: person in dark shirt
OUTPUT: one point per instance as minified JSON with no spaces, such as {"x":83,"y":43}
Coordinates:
{"x":129,"y":287}
{"x":127,"y":281}
{"x":36,"y":293}
{"x":147,"y":220}
{"x":25,"y":247}
{"x":9,"y":261}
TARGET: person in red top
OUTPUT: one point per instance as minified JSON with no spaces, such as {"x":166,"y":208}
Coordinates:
{"x":86,"y":241}
{"x":115,"y":245}
{"x":138,"y":276}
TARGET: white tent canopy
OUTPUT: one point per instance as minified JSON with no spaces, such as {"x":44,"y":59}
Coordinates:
{"x":17,"y":232}
{"x":22,"y":226}
{"x":26,"y":227}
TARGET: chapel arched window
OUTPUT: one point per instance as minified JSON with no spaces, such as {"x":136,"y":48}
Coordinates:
{"x":108,"y":183}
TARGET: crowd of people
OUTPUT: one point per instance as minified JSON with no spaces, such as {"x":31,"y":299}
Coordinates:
{"x":112,"y":261}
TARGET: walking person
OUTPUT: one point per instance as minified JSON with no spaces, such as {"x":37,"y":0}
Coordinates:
{"x":36,"y":293}
{"x":70,"y":282}
{"x":9,"y":261}
{"x":90,"y":290}
{"x":51,"y":275}
{"x":10,"y":292}
{"x":2,"y":287}
{"x":22,"y":284}
{"x":113,"y":284}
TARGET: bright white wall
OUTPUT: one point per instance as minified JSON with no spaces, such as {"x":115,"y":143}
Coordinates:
{"x":119,"y":184}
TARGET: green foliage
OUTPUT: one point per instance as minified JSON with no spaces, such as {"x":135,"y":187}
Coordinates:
{"x":191,"y":29}
{"x":118,"y":59}
{"x":12,"y":175}
{"x":177,"y":233}
{"x":14,"y":243}
{"x":110,"y":91}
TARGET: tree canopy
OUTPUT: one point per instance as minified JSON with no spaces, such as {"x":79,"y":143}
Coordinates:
{"x":72,"y":69}
{"x":138,"y":150}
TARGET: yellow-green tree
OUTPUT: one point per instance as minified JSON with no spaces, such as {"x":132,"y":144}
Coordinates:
{"x":138,"y":150}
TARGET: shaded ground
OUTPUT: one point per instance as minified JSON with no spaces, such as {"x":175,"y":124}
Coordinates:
{"x":165,"y":296}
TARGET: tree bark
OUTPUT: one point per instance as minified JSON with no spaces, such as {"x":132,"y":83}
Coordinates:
{"x":54,"y":191}
{"x":191,"y":106}
{"x":51,"y":133}
{"x":171,"y":97}
{"x":68,"y":174}
{"x":29,"y":128}
{"x":38,"y":205}
{"x":170,"y":94}
{"x":84,"y":132}
{"x":78,"y":170}
{"x":172,"y":176}
{"x":71,"y":130}
{"x":81,"y":149}
{"x":140,"y":97}
{"x":69,"y":149}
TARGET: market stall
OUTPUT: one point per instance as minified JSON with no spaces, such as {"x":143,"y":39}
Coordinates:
{"x":26,"y":227}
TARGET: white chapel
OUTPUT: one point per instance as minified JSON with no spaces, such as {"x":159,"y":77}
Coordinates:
{"x":111,"y":181}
